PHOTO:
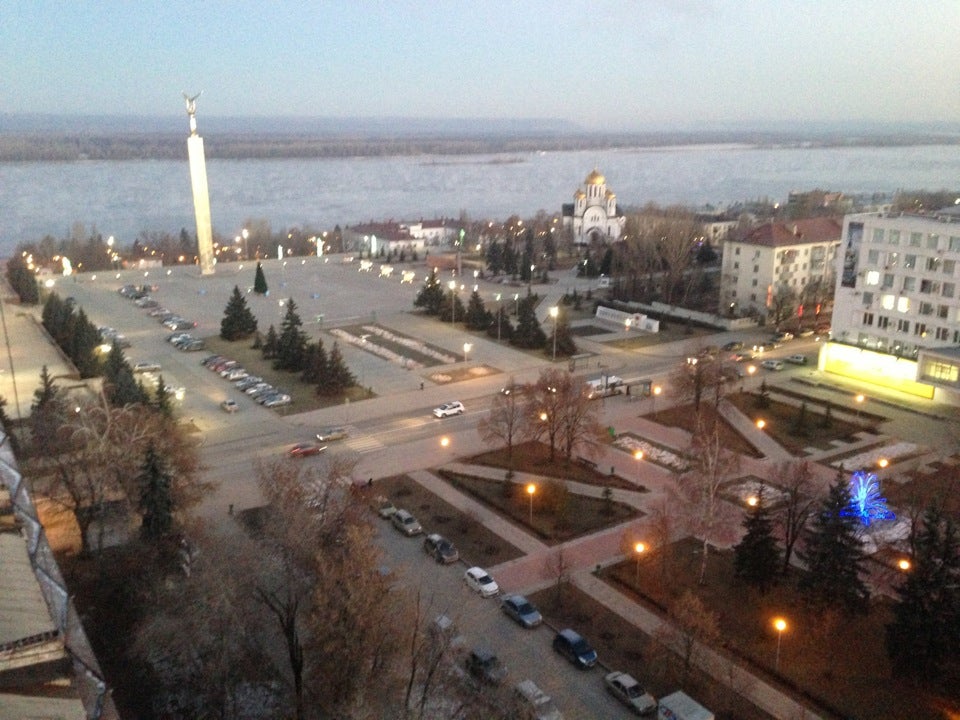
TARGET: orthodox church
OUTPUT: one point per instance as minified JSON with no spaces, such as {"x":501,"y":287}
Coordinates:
{"x":593,"y":214}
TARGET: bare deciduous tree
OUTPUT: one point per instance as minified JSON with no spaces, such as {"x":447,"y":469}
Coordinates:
{"x":559,"y":407}
{"x":691,"y":625}
{"x":508,"y":421}
{"x":796,"y":477}
{"x":706,"y":514}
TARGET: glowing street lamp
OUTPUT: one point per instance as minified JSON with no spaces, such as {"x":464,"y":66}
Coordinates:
{"x":638,"y":456}
{"x":499,"y":316}
{"x":859,"y":400}
{"x":531,"y":491}
{"x":554,"y":312}
{"x":903,"y":564}
{"x":779,"y":625}
{"x":444,"y":441}
{"x":453,"y":305}
{"x":883,"y":462}
{"x":640,"y":548}
{"x":466,"y":348}
{"x":654,"y":394}
{"x":761,"y":424}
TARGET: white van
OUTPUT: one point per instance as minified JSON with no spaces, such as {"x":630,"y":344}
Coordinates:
{"x":534,"y":703}
{"x":680,"y":706}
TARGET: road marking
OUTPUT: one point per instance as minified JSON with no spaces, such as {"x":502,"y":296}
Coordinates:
{"x":363,"y":444}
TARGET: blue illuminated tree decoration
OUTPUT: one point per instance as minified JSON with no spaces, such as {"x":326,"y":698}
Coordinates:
{"x":865,"y":501}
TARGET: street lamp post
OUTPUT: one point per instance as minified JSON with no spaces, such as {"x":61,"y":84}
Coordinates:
{"x":654,"y":394}
{"x":466,"y":349}
{"x":859,"y":400}
{"x":640,"y":548}
{"x":531,"y":490}
{"x":499,"y":316}
{"x":638,"y":456}
{"x":554,"y":313}
{"x":516,"y":304}
{"x":780,"y":625}
{"x":453,"y":305}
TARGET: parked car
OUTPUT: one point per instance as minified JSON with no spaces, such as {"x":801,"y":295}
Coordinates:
{"x":631,"y":693}
{"x":782,"y":337}
{"x":305,"y":449}
{"x":534,"y":703}
{"x":230,"y":406}
{"x":478,"y":580}
{"x":519,"y":609}
{"x":406,"y":523}
{"x":797,"y":359}
{"x":575,"y":649}
{"x":258,"y":389}
{"x":733,"y":345}
{"x":486,"y":667}
{"x":772,"y":365}
{"x":237,"y":373}
{"x":743,"y":356}
{"x":210,"y":360}
{"x":383,"y":507}
{"x":248,"y":382}
{"x":148,"y":366}
{"x":194,"y":345}
{"x":329,"y":434}
{"x":278,"y":400}
{"x":449,"y":408}
{"x":440,"y":549}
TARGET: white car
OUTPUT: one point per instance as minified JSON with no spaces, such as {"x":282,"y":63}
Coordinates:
{"x":772,"y":364}
{"x":142,"y":367}
{"x":479,"y":581}
{"x":229,"y":406}
{"x":631,"y":693}
{"x":797,"y":359}
{"x":454,"y":407}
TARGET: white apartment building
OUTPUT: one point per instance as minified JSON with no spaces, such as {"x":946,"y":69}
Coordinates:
{"x":777,"y":266}
{"x":896,"y":315}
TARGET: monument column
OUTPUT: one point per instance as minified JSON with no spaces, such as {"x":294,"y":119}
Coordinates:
{"x":201,"y":195}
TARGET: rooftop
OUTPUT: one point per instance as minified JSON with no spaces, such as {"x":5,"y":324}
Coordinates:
{"x":794,"y":232}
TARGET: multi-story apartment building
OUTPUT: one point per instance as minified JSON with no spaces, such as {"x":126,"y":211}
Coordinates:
{"x":778,"y":266}
{"x":896,"y":315}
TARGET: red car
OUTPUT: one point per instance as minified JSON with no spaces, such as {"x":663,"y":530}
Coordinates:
{"x":305,"y":448}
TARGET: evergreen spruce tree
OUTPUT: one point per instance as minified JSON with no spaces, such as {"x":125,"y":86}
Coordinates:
{"x":451,"y":309}
{"x":925,"y":631}
{"x":494,"y":257}
{"x":156,"y":500}
{"x":526,"y":259}
{"x":260,"y":281}
{"x":477,"y":315}
{"x":6,"y":424}
{"x":292,"y":341}
{"x":430,"y":297}
{"x":338,"y":376}
{"x":161,"y":398}
{"x":46,"y":393}
{"x":270,"y":342}
{"x":834,"y":555}
{"x":316,"y":365}
{"x":46,"y":416}
{"x":606,"y":263}
{"x":756,"y":558}
{"x":528,"y":333}
{"x":566,"y":346}
{"x":500,"y":325}
{"x":238,"y":321}
{"x":510,"y":259}
{"x":83,"y":341}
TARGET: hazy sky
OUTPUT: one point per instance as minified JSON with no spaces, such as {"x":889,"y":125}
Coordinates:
{"x":604,"y":64}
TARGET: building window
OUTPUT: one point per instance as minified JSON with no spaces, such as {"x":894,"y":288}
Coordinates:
{"x":909,"y":284}
{"x":909,"y":262}
{"x":753,"y":297}
{"x":943,"y":311}
{"x":873,"y":278}
{"x":756,"y":268}
{"x":949,"y":266}
{"x":942,"y":333}
{"x":886,"y":302}
{"x":929,"y":286}
{"x":893,"y":237}
{"x":915,"y":239}
{"x":736,"y":251}
{"x":892,"y":259}
{"x":933,"y":264}
{"x":867,"y":299}
{"x":888,"y":280}
{"x":903,"y":326}
{"x":878,"y":235}
{"x":873,"y":257}
{"x":948,"y":289}
{"x":941,"y":371}
{"x":920,"y":329}
{"x":753,"y":283}
{"x":955,"y":244}
{"x":932,"y":241}
{"x":736,"y":266}
{"x":903,"y":304}
{"x":926,"y":308}
{"x":868,"y":318}
{"x":883,"y":322}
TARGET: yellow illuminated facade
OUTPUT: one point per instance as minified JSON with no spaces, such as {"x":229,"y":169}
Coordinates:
{"x":876,"y":368}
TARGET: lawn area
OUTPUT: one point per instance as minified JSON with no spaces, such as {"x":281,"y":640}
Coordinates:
{"x":303,"y":396}
{"x":683,"y":416}
{"x":621,"y":646}
{"x":782,"y":418}
{"x":556,"y":515}
{"x":837,"y":661}
{"x":534,"y":457}
{"x":475,"y":542}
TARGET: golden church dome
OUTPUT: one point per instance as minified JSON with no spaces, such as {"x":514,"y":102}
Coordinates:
{"x":610,"y":194}
{"x":595,"y":178}
{"x":579,"y":195}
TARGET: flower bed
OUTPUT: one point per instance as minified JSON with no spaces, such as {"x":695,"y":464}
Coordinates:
{"x":870,"y":458}
{"x":656,"y":454}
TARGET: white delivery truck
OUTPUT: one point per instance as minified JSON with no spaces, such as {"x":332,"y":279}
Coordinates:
{"x":680,"y":706}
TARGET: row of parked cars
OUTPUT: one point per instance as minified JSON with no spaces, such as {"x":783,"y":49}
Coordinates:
{"x":253,"y":385}
{"x":177,"y":324}
{"x":482,"y":664}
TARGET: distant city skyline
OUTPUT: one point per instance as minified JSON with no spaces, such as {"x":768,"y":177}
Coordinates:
{"x":607,"y":65}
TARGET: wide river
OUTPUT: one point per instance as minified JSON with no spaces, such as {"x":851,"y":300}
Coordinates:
{"x":124,"y":198}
